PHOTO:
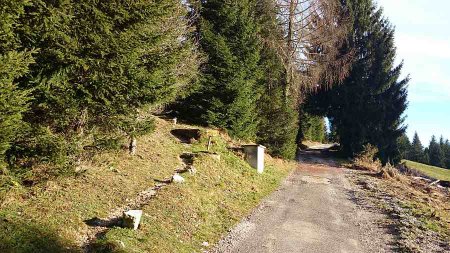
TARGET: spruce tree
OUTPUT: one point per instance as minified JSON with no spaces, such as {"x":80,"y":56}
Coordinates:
{"x":426,"y":156}
{"x":99,"y":63}
{"x":404,"y":147}
{"x":312,"y":128}
{"x":318,"y":129}
{"x":14,"y":63}
{"x":436,"y":155}
{"x":447,"y":154}
{"x":108,"y":57}
{"x":417,"y":150}
{"x":228,"y":92}
{"x":368,"y":106}
{"x":277,"y":128}
{"x":445,"y":150}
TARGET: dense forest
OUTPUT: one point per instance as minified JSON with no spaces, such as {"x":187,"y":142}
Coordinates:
{"x":436,"y":154}
{"x":78,"y":77}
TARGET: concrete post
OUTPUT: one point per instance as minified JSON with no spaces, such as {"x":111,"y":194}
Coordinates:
{"x":254,"y":154}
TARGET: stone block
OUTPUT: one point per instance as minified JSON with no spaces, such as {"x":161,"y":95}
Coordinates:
{"x":177,"y":178}
{"x":131,"y":219}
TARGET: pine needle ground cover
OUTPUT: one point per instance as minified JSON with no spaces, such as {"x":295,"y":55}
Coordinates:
{"x":431,"y":171}
{"x":50,"y":217}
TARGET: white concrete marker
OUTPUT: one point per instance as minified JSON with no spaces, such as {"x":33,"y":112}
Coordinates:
{"x":131,"y":219}
{"x":254,"y":154}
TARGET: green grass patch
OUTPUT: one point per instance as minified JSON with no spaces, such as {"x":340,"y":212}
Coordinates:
{"x":431,"y":171}
{"x":49,"y":217}
{"x":432,"y":218}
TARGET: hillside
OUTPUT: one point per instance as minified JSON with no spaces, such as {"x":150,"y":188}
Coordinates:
{"x":428,"y":170}
{"x":51,"y":216}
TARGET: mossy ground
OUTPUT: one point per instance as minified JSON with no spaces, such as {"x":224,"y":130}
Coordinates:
{"x":49,"y":217}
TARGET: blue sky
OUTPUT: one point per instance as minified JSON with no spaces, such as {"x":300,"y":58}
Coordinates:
{"x":423,"y":42}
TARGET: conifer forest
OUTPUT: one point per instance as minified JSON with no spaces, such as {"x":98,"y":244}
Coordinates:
{"x":79,"y":75}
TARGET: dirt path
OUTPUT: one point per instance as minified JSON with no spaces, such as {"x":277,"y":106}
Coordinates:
{"x":313,"y":211}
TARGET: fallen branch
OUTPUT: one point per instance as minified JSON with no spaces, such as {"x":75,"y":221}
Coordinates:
{"x":435,"y":182}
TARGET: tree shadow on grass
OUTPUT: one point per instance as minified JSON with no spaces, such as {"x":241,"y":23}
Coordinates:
{"x":27,"y":237}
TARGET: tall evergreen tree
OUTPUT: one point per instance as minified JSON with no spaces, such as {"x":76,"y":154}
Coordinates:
{"x":277,"y":128}
{"x":14,"y":63}
{"x":106,"y":57}
{"x":444,"y":145}
{"x":417,"y":150}
{"x":426,"y":157}
{"x":404,"y":147}
{"x":447,"y":153}
{"x":228,"y":90}
{"x":99,"y":62}
{"x":318,"y":129}
{"x":368,"y":106}
{"x":312,"y":128}
{"x":441,"y":142}
{"x":436,"y":155}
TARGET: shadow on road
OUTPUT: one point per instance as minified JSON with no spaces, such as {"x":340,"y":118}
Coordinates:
{"x":327,"y":154}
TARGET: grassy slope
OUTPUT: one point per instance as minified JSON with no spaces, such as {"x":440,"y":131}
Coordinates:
{"x":49,"y":217}
{"x":431,"y":171}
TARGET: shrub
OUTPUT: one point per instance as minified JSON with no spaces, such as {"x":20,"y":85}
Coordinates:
{"x":389,"y":172}
{"x":366,"y":159}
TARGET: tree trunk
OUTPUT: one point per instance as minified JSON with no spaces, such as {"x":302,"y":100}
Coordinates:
{"x":81,"y":122}
{"x":290,"y":46}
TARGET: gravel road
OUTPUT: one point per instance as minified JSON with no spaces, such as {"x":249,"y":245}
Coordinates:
{"x":313,"y":211}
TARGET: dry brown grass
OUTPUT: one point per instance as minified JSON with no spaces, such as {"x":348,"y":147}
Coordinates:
{"x":429,"y":204}
{"x":390,"y":172}
{"x":366,"y":159}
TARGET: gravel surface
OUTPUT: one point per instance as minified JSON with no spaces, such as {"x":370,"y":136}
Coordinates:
{"x":315,"y":210}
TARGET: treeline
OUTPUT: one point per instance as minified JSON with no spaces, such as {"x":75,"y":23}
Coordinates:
{"x":275,"y":69}
{"x":313,"y":128}
{"x":436,"y":154}
{"x":85,"y":75}
{"x":263,"y":57}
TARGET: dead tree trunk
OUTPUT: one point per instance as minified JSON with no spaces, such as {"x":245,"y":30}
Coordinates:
{"x":290,"y":46}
